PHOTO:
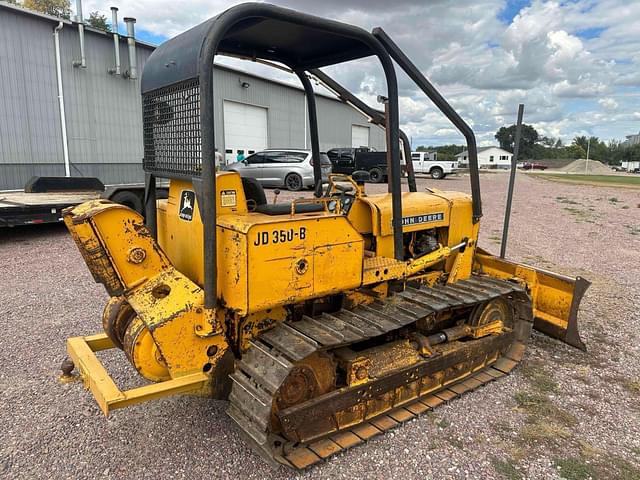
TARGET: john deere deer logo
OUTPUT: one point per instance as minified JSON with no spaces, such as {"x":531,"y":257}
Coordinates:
{"x":187,"y":201}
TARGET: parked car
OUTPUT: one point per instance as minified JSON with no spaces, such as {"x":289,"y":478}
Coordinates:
{"x":533,"y":166}
{"x":618,"y":168}
{"x":427,"y":162}
{"x":290,"y":168}
{"x":348,"y":160}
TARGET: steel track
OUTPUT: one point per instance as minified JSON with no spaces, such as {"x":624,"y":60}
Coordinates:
{"x":272,"y":356}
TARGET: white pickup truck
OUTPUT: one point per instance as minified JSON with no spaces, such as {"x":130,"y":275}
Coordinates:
{"x":427,"y":162}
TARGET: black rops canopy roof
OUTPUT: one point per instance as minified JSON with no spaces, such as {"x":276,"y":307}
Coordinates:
{"x":300,"y":41}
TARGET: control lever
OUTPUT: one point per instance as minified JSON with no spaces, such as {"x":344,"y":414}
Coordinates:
{"x":276,"y":192}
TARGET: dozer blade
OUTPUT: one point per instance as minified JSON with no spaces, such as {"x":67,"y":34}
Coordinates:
{"x":556,"y":298}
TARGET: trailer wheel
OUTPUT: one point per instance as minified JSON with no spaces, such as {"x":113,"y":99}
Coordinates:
{"x":376,"y":175}
{"x":437,"y":173}
{"x":128,"y":199}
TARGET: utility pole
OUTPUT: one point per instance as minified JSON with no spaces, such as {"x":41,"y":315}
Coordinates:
{"x":586,"y":164}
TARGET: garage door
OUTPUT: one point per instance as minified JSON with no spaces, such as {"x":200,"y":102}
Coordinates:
{"x":359,"y":136}
{"x":245,"y":129}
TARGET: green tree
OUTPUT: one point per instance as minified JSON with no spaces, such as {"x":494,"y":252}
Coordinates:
{"x":597,"y":150}
{"x":506,"y":137}
{"x":446,"y":153}
{"x":616,"y":151}
{"x":631,"y":153}
{"x":55,"y":8}
{"x":96,"y":20}
{"x":547,"y":141}
{"x":575,"y":151}
{"x":581,"y":141}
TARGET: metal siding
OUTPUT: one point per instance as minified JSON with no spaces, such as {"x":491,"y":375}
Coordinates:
{"x":104,"y":120}
{"x":29,"y":120}
{"x":335,"y":120}
{"x":285,"y":107}
{"x":104,"y":112}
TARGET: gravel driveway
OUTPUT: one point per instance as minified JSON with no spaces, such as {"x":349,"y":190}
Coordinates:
{"x":563,"y":413}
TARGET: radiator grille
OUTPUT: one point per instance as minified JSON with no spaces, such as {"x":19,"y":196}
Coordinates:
{"x":171,"y":124}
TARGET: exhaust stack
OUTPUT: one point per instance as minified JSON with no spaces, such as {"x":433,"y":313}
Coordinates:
{"x":79,"y":18}
{"x":132,"y":73}
{"x":116,"y":41}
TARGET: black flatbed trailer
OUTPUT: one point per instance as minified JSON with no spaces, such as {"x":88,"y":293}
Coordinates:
{"x":21,"y":208}
{"x":44,"y":198}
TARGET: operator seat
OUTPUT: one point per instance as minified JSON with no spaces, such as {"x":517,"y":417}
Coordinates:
{"x":254,"y":192}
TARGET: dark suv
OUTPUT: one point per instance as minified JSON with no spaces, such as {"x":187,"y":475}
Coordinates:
{"x":348,"y":160}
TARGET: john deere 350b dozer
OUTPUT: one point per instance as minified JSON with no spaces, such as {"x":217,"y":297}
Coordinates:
{"x":323,"y":321}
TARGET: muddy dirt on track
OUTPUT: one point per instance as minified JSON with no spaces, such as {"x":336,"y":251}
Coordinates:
{"x":563,"y":413}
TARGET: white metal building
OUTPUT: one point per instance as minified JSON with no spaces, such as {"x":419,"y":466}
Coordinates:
{"x":488,"y":157}
{"x":632,"y":139}
{"x":101,"y":112}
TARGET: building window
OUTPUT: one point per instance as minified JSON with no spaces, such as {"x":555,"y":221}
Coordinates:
{"x":465,"y":157}
{"x":491,"y":158}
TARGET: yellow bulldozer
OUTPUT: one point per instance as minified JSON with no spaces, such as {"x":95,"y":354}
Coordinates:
{"x":323,"y":321}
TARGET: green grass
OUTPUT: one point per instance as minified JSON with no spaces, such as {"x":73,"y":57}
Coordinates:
{"x":633,"y":386}
{"x":567,"y":200}
{"x":574,"y":469}
{"x":506,"y":469}
{"x":546,"y":423}
{"x":633,"y":180}
{"x":633,"y":230}
{"x":538,"y":377}
{"x":581,"y":215}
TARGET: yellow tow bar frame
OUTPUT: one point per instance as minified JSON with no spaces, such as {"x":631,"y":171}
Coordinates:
{"x":95,"y":377}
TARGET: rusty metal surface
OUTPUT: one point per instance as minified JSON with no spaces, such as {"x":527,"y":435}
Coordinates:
{"x":337,"y":421}
{"x":556,"y":298}
{"x":570,"y":335}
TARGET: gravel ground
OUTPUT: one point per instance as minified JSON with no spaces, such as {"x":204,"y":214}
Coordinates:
{"x":563,"y":413}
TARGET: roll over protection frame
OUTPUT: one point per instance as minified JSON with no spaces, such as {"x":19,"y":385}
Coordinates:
{"x":272,"y":33}
{"x":425,"y":85}
{"x":377,"y":118}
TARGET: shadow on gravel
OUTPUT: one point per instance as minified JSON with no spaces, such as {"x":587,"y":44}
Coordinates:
{"x":31,"y":232}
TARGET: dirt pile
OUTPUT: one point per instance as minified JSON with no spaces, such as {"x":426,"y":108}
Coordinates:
{"x":594,"y":167}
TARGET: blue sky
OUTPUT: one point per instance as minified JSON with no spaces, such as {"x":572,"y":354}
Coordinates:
{"x":511,"y":9}
{"x":575,"y":64}
{"x":150,"y":37}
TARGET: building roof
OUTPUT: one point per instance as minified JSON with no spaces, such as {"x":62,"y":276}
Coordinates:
{"x":482,"y":149}
{"x":54,"y":20}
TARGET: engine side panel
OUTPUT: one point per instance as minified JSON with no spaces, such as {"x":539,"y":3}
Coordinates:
{"x":264,"y":261}
{"x":289,"y":259}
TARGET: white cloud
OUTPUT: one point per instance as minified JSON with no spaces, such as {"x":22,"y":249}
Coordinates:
{"x":583,"y":88}
{"x":568,"y":62}
{"x":608,"y":103}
